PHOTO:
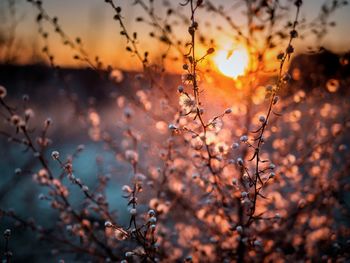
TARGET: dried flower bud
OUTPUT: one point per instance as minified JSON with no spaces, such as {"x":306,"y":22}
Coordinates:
{"x":172,"y":127}
{"x":280,"y":56}
{"x":22,"y":124}
{"x":3,"y":92}
{"x":126,"y":189}
{"x":48,"y":121}
{"x":25,"y":97}
{"x":151,"y":213}
{"x":286,"y":77}
{"x":269,"y":88}
{"x":272,"y":175}
{"x":275,"y":100}
{"x":262,"y":119}
{"x":244,"y":194}
{"x":290,"y":49}
{"x":228,"y":111}
{"x":140,"y":177}
{"x":180,"y":89}
{"x":257,"y":243}
{"x":298,"y":3}
{"x":85,"y":188}
{"x":195,"y":176}
{"x":28,"y":113}
{"x":188,"y":259}
{"x":210,"y":51}
{"x":293,"y":33}
{"x":235,"y":145}
{"x":240,"y":161}
{"x":272,"y":166}
{"x":133,"y":211}
{"x":108,"y":224}
{"x":7,"y":233}
{"x":80,"y":147}
{"x":55,"y":155}
{"x":244,"y":138}
{"x":153,"y":220}
{"x":231,"y":161}
{"x":239,"y":229}
{"x":128,"y":113}
{"x":129,"y":254}
{"x":131,"y":156}
{"x":15,"y":120}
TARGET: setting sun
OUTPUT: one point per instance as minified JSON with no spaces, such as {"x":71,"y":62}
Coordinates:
{"x":232,"y":63}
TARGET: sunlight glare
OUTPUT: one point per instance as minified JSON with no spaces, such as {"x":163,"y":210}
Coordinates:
{"x":232,"y":65}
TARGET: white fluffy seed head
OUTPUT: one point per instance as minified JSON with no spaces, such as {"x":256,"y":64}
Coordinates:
{"x":133,"y":211}
{"x":153,"y":220}
{"x":244,"y":138}
{"x":3,"y":92}
{"x":172,"y":127}
{"x":7,"y":233}
{"x":108,"y":224}
{"x":29,"y":113}
{"x":80,"y":147}
{"x":188,"y":258}
{"x":151,"y":213}
{"x":257,"y":243}
{"x":15,"y":120}
{"x":128,"y":113}
{"x":262,"y":119}
{"x":126,"y":189}
{"x":269,"y":88}
{"x":195,"y":176}
{"x":235,"y":145}
{"x":48,"y":121}
{"x":55,"y":155}
{"x":131,"y":156}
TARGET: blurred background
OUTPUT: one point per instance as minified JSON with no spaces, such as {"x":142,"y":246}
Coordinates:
{"x":85,"y":104}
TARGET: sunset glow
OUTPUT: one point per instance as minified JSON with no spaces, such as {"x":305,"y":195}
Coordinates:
{"x":232,"y":63}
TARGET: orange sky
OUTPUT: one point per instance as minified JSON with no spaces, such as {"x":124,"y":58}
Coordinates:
{"x":92,"y":21}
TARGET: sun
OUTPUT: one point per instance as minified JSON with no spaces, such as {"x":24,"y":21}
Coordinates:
{"x":232,"y":63}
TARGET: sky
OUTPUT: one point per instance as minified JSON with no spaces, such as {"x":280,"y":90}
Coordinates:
{"x":92,"y":21}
